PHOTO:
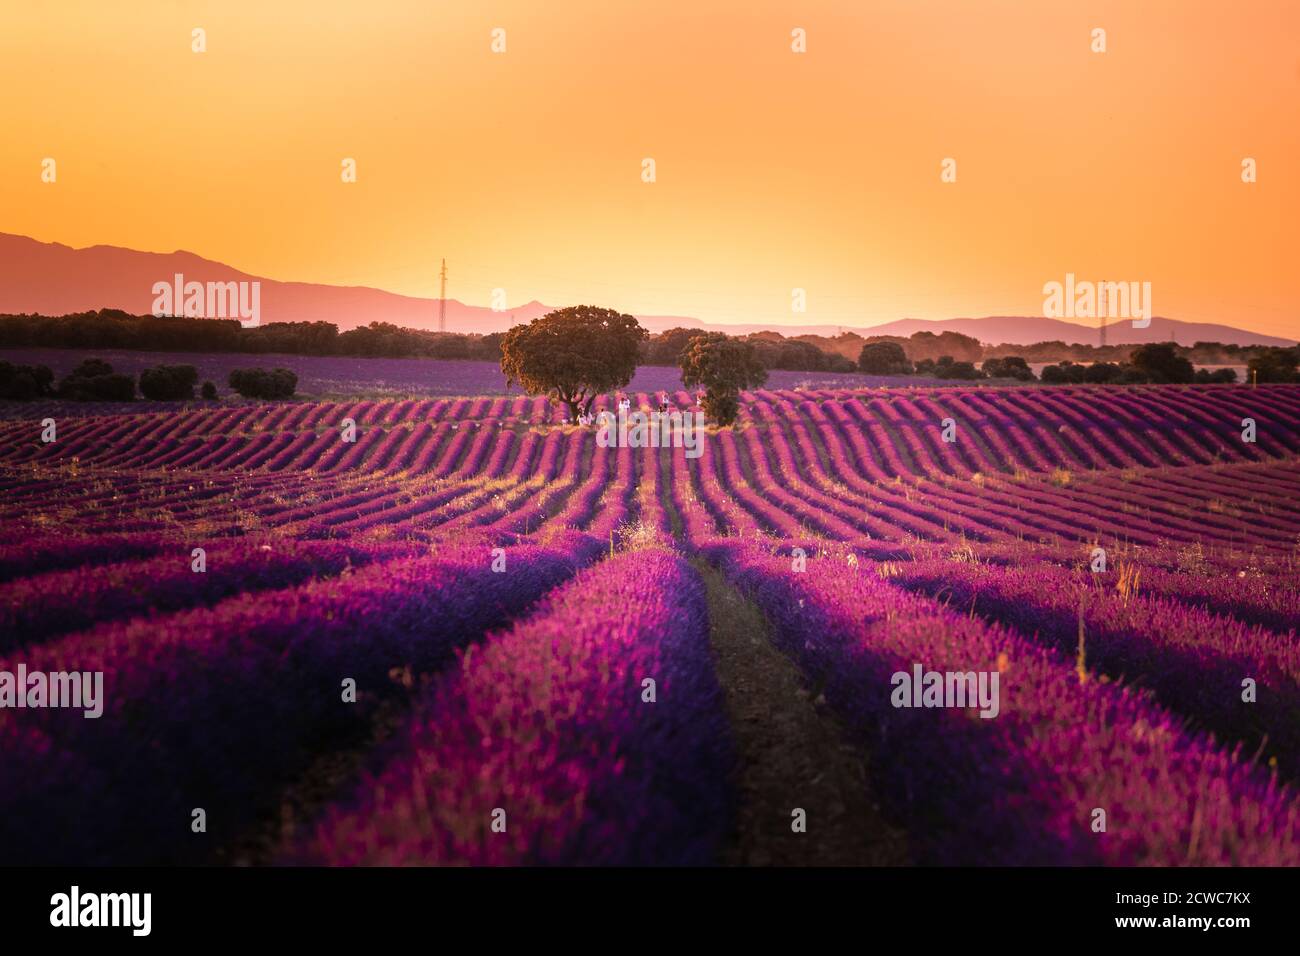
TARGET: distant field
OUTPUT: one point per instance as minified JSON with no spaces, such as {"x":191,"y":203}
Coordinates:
{"x":331,"y":377}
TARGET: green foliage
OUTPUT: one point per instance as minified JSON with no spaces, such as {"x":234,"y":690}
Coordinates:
{"x":115,"y":329}
{"x":946,"y":367}
{"x":1103,"y":373}
{"x":209,"y":392}
{"x":91,"y":368}
{"x":723,"y":367}
{"x":1162,"y":364}
{"x":168,"y":383}
{"x":572,"y":355}
{"x":721,"y":407}
{"x":666,"y":347}
{"x":1275,"y":365}
{"x":1008,"y":366}
{"x":884,"y":358}
{"x":263,"y":383}
{"x":94,"y":381}
{"x":22,"y":383}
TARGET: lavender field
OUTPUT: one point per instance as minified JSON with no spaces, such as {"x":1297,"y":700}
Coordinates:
{"x":954,"y":626}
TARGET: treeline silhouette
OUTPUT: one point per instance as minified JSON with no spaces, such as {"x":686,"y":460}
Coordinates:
{"x":927,"y":352}
{"x":115,"y":329}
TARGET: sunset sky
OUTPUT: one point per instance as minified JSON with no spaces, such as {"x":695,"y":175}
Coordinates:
{"x":775,"y":170}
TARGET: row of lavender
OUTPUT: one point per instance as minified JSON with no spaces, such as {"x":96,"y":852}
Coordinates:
{"x":189,"y":640}
{"x":1072,"y":769}
{"x":217,"y":708}
{"x":770,"y":482}
{"x":957,"y":432}
{"x":591,"y":732}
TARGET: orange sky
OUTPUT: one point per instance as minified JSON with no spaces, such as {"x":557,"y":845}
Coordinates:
{"x":775,"y":170}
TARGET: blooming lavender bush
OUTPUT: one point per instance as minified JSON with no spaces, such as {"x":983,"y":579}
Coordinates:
{"x":217,"y":707}
{"x":1020,"y":788}
{"x":550,"y":722}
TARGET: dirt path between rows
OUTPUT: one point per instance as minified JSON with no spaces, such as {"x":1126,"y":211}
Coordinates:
{"x":790,"y":754}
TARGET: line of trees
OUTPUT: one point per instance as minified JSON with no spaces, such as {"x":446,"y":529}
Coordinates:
{"x":1156,"y":362}
{"x":770,"y":349}
{"x":95,"y":381}
{"x":963,"y":348}
{"x":115,"y":329}
{"x":946,"y":355}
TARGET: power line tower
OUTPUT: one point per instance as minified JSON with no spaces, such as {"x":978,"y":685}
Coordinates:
{"x":442,"y":300}
{"x":1101,"y":314}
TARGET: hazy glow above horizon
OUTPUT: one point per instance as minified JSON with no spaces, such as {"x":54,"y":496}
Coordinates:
{"x":775,"y":170}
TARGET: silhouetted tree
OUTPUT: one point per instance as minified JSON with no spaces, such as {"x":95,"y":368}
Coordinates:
{"x":1008,"y":366}
{"x":1161,"y":363}
{"x":1275,"y":365}
{"x":884,"y":358}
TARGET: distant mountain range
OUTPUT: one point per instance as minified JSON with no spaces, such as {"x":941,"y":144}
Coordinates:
{"x":53,"y":279}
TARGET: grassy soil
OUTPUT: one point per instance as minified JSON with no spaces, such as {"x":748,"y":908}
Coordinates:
{"x":791,"y":754}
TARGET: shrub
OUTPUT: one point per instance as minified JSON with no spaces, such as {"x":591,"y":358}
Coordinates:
{"x":24,"y":382}
{"x":263,"y":383}
{"x":101,"y":388}
{"x":1225,"y":376}
{"x":1102,"y":373}
{"x":947,"y":368}
{"x":209,"y":392}
{"x":1064,"y":373}
{"x":94,"y":381}
{"x":168,"y":383}
{"x":91,"y":368}
{"x":1010,"y":366}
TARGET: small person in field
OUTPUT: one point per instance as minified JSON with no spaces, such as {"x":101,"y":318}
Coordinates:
{"x":624,"y":404}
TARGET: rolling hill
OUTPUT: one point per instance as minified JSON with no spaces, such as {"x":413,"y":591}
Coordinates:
{"x":54,"y":279}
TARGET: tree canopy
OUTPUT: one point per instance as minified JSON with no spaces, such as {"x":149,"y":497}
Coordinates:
{"x":1275,"y":365}
{"x":1161,"y":363}
{"x":723,"y":366}
{"x":883,"y":358}
{"x":572,"y":355}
